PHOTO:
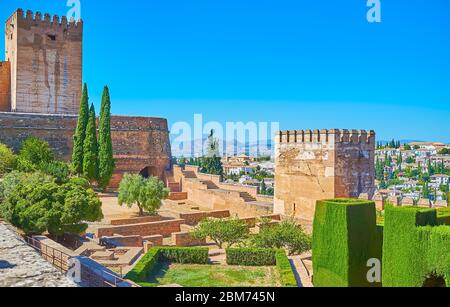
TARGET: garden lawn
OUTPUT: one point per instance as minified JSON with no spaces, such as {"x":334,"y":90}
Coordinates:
{"x":190,"y":275}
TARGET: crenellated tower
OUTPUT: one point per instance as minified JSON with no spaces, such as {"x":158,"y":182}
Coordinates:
{"x":45,"y":56}
{"x":321,"y":164}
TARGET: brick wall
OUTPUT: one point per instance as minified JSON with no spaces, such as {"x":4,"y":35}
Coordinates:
{"x":136,"y":220}
{"x":193,"y":219}
{"x":184,"y":239}
{"x":164,"y":228}
{"x":138,"y":142}
{"x":5,"y":87}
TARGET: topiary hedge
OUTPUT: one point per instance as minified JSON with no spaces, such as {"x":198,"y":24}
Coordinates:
{"x":250,"y":256}
{"x":415,"y":247}
{"x":184,"y":255}
{"x":345,"y":237}
{"x":285,"y":269}
{"x":444,"y":216}
{"x":264,"y":257}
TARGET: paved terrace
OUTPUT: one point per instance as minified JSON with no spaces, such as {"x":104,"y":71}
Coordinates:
{"x":22,"y":266}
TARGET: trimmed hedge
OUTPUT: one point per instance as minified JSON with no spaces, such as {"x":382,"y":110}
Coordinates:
{"x":285,"y":269}
{"x":264,"y":257}
{"x":443,"y":216}
{"x":345,"y":237}
{"x":415,"y":247}
{"x":184,"y":255}
{"x":250,"y":256}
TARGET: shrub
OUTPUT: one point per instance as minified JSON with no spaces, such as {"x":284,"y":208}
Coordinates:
{"x":230,"y":231}
{"x":7,"y":160}
{"x":250,"y":256}
{"x":285,"y":269}
{"x":287,"y":235}
{"x":59,"y":170}
{"x":35,"y":151}
{"x":443,"y":216}
{"x":344,"y":239}
{"x":184,"y":255}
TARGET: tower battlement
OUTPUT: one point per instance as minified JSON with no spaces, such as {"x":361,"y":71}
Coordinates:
{"x":325,"y":136}
{"x":38,"y":19}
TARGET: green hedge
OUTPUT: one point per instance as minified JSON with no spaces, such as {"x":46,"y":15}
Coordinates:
{"x":184,"y":255}
{"x":285,"y":269}
{"x":345,"y":237}
{"x":414,"y":247}
{"x":250,"y":256}
{"x":264,"y":257}
{"x":444,"y":216}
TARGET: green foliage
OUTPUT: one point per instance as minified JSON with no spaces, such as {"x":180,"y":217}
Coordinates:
{"x":222,"y":231}
{"x":185,"y":255}
{"x":90,"y":148}
{"x":80,"y":133}
{"x":414,"y":247}
{"x":36,"y":204}
{"x":33,"y":152}
{"x":345,"y":237}
{"x":286,"y":234}
{"x":445,"y":151}
{"x":105,"y":153}
{"x":250,"y":256}
{"x":145,"y":193}
{"x":285,"y":269}
{"x":57,"y":169}
{"x":212,"y":165}
{"x":8,"y":160}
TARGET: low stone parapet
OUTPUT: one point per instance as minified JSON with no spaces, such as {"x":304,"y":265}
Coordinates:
{"x":164,"y":228}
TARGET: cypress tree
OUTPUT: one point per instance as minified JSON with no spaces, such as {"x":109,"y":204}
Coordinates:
{"x":105,"y":154}
{"x":80,"y":132}
{"x":90,"y":148}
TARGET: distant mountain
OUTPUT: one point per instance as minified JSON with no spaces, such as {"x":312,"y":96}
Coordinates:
{"x":230,"y":148}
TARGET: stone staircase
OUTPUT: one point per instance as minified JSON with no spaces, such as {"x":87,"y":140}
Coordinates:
{"x":247,"y":197}
{"x":209,"y":184}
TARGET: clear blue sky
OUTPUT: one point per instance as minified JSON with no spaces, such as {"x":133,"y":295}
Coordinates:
{"x":306,"y":64}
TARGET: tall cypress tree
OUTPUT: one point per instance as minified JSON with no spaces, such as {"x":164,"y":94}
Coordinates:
{"x":80,"y":132}
{"x":90,"y":148}
{"x":106,"y":160}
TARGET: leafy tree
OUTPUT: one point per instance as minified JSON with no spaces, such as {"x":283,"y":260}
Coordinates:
{"x":425,"y":190}
{"x":263,"y":188}
{"x":7,"y":160}
{"x":33,"y":152}
{"x":222,"y":231}
{"x":286,"y":235}
{"x":80,"y":133}
{"x":146,"y":193}
{"x":37,"y":204}
{"x":90,"y":148}
{"x":212,"y":165}
{"x":445,"y":151}
{"x":105,"y":154}
{"x":407,"y":147}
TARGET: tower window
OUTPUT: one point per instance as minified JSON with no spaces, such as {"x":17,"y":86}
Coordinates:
{"x":52,"y":37}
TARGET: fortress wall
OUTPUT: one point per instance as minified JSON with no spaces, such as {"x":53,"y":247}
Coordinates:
{"x":46,"y":56}
{"x":5,"y":86}
{"x":138,"y":142}
{"x":313,"y":165}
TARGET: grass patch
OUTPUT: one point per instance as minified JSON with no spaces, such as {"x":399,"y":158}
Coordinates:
{"x":195,"y":275}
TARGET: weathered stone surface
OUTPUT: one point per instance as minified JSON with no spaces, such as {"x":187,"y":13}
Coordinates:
{"x":46,"y":63}
{"x":139,"y":143}
{"x":22,"y":266}
{"x":315,"y":165}
{"x":5,"y":87}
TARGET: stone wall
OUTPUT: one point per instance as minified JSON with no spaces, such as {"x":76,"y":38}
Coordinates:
{"x":164,"y":228}
{"x":194,"y":218}
{"x":46,"y":62}
{"x":314,"y":165}
{"x":5,"y":86}
{"x":184,"y":239}
{"x":139,"y":143}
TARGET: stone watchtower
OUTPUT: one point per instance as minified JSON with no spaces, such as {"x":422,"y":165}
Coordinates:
{"x":315,"y":165}
{"x":45,"y":62}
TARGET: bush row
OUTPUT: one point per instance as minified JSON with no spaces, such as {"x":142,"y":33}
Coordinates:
{"x":264,"y":257}
{"x":185,"y":255}
{"x":250,"y":256}
{"x":285,"y":269}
